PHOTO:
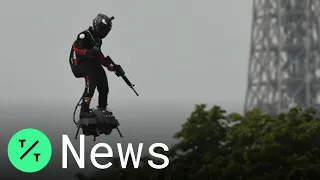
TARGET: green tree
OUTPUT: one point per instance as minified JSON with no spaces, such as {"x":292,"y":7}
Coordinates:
{"x":202,"y":144}
{"x":285,"y":146}
{"x":215,"y":145}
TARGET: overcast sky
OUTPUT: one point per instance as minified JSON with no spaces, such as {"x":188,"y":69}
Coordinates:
{"x":192,"y":50}
{"x":196,"y":51}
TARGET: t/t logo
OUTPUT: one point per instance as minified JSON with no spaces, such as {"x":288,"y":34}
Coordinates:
{"x":66,"y":143}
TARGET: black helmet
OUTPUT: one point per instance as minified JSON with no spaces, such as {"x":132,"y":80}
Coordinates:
{"x":102,"y":24}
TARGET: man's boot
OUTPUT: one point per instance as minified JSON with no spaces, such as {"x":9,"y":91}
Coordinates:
{"x":105,"y":111}
{"x":87,"y":114}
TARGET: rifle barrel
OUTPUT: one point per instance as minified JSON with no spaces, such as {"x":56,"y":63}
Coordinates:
{"x":134,"y":91}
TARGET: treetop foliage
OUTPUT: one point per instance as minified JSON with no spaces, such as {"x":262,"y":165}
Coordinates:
{"x":214,"y":144}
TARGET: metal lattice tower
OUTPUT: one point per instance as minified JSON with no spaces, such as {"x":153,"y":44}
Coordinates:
{"x":284,"y":65}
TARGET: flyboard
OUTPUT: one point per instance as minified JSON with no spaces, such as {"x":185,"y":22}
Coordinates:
{"x":100,"y":124}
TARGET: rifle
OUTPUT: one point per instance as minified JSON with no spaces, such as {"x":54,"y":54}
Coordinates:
{"x":120,"y":72}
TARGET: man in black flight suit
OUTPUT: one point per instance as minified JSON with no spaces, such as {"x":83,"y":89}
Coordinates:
{"x":87,"y":61}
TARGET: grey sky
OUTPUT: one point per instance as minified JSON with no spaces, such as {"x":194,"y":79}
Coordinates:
{"x":196,"y":50}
